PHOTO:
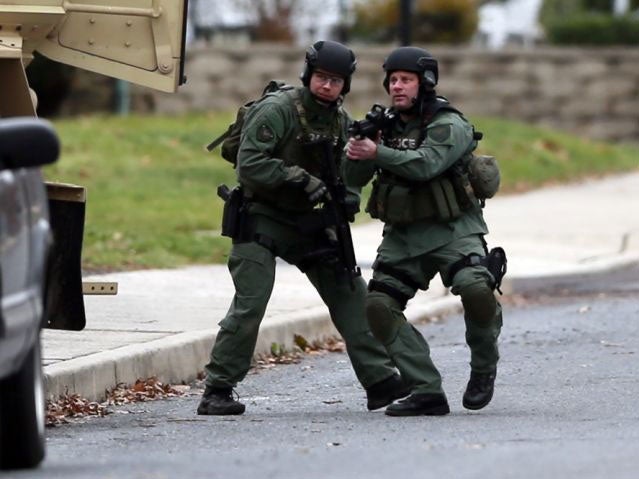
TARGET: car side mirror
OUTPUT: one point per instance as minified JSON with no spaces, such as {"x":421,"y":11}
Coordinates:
{"x":27,"y":142}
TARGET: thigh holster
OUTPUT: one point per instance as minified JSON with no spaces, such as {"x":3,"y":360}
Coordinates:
{"x":495,"y":262}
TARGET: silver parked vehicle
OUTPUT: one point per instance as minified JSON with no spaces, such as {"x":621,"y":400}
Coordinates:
{"x":25,"y":239}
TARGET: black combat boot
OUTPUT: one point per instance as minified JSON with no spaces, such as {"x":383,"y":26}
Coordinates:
{"x":385,"y":392}
{"x":420,"y":404}
{"x":479,"y":390}
{"x":219,"y":402}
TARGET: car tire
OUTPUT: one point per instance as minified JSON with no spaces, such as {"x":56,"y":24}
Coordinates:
{"x":22,"y":414}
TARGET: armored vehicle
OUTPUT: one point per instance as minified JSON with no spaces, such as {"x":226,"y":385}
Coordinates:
{"x":41,"y":227}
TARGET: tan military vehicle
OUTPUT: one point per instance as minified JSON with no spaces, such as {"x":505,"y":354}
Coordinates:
{"x":141,"y":41}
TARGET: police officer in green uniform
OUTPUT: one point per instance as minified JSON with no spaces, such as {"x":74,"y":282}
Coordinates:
{"x":432,"y":225}
{"x":279,"y":167}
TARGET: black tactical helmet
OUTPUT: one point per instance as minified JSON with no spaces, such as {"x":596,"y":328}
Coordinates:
{"x":412,"y":59}
{"x":332,"y":57}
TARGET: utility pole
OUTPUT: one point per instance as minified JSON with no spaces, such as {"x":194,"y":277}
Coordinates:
{"x":404,"y":22}
{"x":122,"y":97}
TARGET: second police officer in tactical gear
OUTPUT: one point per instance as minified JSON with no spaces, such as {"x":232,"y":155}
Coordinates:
{"x":433,"y":224}
{"x":279,"y":167}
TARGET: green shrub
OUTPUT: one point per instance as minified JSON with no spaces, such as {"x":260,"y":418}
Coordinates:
{"x":552,"y":10}
{"x":432,"y":21}
{"x":593,"y":29}
{"x":598,"y":5}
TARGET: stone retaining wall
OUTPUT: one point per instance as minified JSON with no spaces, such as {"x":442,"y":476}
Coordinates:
{"x":591,"y":92}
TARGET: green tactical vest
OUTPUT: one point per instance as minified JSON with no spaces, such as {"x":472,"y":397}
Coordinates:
{"x":396,"y":200}
{"x":300,"y":148}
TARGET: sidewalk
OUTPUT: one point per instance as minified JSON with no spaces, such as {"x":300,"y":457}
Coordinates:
{"x":163,"y":322}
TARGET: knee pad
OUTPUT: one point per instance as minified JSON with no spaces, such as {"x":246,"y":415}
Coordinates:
{"x":379,"y":312}
{"x":479,"y":303}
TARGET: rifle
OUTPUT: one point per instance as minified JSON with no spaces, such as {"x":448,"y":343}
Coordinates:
{"x":378,"y":118}
{"x":335,"y":203}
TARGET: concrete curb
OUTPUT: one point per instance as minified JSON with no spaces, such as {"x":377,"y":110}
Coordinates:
{"x":178,"y":358}
{"x":172,"y":359}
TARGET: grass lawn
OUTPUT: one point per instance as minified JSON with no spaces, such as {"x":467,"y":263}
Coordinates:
{"x":151,"y":184}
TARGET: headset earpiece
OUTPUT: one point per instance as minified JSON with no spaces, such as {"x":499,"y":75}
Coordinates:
{"x":309,"y":60}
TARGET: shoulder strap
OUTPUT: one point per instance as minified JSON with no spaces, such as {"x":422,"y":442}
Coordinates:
{"x":432,"y":108}
{"x":301,"y":112}
{"x":296,"y":97}
{"x":338,"y":128}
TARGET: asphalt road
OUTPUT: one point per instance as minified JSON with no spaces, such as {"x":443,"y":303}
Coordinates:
{"x":565,"y":406}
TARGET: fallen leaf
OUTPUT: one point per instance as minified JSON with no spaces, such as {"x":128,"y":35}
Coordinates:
{"x":300,"y":341}
{"x":74,"y":406}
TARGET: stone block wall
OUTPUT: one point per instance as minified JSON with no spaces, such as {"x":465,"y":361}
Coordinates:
{"x":591,"y":92}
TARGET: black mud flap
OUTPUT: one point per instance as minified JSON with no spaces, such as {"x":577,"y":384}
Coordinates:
{"x":64,"y":298}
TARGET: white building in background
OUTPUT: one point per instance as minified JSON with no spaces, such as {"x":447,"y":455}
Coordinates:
{"x":510,"y":22}
{"x":217,"y":21}
{"x":224,"y":21}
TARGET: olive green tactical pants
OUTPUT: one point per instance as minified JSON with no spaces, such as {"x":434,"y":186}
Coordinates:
{"x":406,"y":346}
{"x":252,"y":267}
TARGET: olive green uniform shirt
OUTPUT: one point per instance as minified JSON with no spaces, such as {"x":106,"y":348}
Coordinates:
{"x":421,"y":248}
{"x":274,"y":139}
{"x":446,"y":139}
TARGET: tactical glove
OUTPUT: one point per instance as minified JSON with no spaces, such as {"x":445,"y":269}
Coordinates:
{"x":313,"y":187}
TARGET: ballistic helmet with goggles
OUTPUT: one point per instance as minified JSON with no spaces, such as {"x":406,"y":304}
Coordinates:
{"x":332,"y":57}
{"x":412,"y":59}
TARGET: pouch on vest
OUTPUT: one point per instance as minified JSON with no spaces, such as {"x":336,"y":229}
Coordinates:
{"x":393,"y":203}
{"x":401,"y":204}
{"x":484,"y":176}
{"x":398,"y":207}
{"x":463,"y":189}
{"x":371,"y":205}
{"x":446,"y":205}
